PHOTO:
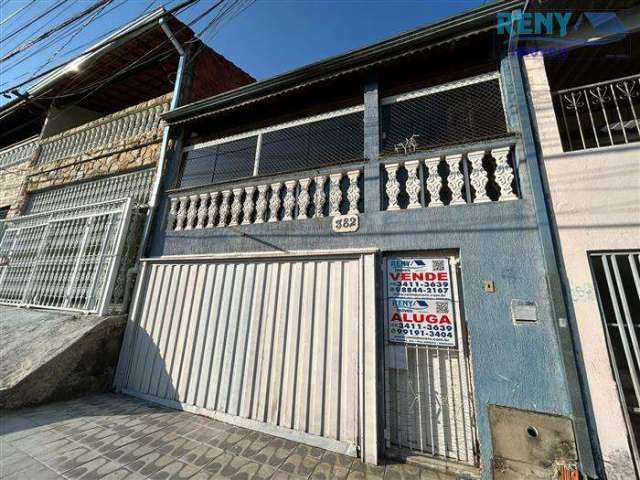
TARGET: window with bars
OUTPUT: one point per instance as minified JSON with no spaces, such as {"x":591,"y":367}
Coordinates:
{"x":451,"y":114}
{"x":312,"y":145}
{"x":302,"y":145}
{"x":220,"y":163}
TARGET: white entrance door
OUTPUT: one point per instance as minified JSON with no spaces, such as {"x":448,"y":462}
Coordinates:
{"x":272,"y":344}
{"x":428,"y":384}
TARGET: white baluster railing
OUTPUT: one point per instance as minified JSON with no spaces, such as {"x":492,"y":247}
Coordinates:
{"x":105,"y":132}
{"x":477,"y":176}
{"x":18,"y":153}
{"x":297,"y":199}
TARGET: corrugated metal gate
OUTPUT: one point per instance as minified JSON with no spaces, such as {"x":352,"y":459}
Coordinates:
{"x":64,"y":259}
{"x":274,"y":342}
{"x":428,"y":389}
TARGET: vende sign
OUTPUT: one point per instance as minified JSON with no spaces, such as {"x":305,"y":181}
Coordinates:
{"x":418,"y":278}
{"x":419,"y":307}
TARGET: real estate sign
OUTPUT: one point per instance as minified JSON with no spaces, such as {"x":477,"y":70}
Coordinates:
{"x":419,"y":302}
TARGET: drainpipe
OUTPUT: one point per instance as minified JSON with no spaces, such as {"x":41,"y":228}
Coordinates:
{"x":162,"y":160}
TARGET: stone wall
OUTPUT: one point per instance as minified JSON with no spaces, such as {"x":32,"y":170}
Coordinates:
{"x":18,"y":181}
{"x":12,"y":181}
{"x":142,"y":151}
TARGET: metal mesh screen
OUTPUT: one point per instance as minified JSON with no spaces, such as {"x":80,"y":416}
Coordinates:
{"x":311,"y":145}
{"x":458,"y":115}
{"x":219,"y":163}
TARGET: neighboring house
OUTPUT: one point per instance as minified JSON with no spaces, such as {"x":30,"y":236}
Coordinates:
{"x":586,"y":104}
{"x":79,"y":160}
{"x":356,"y":255}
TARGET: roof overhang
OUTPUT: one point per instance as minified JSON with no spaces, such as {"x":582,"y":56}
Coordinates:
{"x":444,"y":31}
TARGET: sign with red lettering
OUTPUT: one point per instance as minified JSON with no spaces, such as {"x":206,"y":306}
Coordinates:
{"x":419,"y":302}
{"x":418,"y":278}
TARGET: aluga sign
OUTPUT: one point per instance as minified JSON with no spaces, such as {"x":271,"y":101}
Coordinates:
{"x":419,"y":302}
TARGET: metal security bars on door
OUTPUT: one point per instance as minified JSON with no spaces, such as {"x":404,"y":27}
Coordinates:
{"x":599,"y":115}
{"x":617,"y":279}
{"x":65,"y":259}
{"x":428,"y":389}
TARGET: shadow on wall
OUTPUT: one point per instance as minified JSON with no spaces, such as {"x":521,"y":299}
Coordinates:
{"x":146,"y":363}
{"x":79,"y":366}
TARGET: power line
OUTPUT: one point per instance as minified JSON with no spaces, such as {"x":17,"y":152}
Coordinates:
{"x":75,"y":49}
{"x":175,"y":10}
{"x":42,"y":15}
{"x":57,"y":28}
{"x":18,"y":12}
{"x":69,"y":37}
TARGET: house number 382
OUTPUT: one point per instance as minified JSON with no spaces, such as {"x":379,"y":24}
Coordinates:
{"x":346,"y":223}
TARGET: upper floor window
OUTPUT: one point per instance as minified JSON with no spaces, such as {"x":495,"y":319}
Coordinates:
{"x":450,"y":114}
{"x":323,"y":140}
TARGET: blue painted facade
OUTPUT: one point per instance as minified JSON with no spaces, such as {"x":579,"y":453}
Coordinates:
{"x":525,"y":366}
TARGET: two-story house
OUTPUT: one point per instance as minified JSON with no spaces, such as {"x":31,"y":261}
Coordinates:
{"x":356,"y":255}
{"x":585,"y":100}
{"x":81,"y":153}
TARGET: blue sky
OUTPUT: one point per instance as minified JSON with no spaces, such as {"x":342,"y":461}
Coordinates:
{"x":268,"y":38}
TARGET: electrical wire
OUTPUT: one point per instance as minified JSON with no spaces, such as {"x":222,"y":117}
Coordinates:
{"x":18,"y":12}
{"x":144,"y":58}
{"x":39,"y":17}
{"x":161,"y":56}
{"x":24,"y":58}
{"x":48,"y":33}
{"x":175,"y":10}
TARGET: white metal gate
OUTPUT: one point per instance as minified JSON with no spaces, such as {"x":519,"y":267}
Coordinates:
{"x":428,"y":387}
{"x":64,"y":259}
{"x":617,"y":279}
{"x":272,"y":344}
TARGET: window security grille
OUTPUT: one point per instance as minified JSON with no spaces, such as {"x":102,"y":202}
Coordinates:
{"x":136,"y":185}
{"x":65,"y":259}
{"x":220,"y":163}
{"x":330,"y":139}
{"x":312,"y":145}
{"x":442,"y":116}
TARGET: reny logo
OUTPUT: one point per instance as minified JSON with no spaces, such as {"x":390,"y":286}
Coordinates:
{"x":410,"y":305}
{"x":409,"y":264}
{"x":559,"y":29}
{"x":553,"y":23}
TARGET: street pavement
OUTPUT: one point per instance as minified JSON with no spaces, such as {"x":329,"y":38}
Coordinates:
{"x":117,"y":437}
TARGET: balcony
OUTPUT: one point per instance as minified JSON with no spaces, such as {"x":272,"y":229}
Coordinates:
{"x":18,"y":153}
{"x":599,"y":115}
{"x":459,"y":176}
{"x":115,"y":132}
{"x":330,"y":193}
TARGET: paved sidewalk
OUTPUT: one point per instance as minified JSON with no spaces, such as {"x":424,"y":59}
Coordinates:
{"x":117,"y":437}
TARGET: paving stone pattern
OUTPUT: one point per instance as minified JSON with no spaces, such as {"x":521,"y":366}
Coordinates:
{"x":116,"y":437}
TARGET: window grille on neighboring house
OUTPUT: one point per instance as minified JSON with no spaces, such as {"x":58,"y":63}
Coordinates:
{"x":617,"y":279}
{"x":64,"y":259}
{"x":599,"y":115}
{"x":135,"y":185}
{"x":323,"y":140}
{"x":454,"y":113}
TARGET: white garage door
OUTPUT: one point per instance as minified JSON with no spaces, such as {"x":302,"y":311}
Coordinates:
{"x":275,"y":342}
